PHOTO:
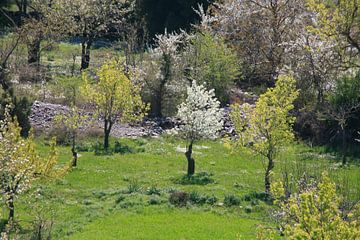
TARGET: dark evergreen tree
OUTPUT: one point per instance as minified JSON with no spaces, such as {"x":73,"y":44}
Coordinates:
{"x":170,"y":14}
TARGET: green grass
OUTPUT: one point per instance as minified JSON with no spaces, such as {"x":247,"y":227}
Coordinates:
{"x":170,"y":224}
{"x":94,"y":202}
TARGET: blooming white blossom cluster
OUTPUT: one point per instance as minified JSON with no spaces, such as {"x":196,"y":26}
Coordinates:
{"x":200,"y":114}
{"x":16,"y":166}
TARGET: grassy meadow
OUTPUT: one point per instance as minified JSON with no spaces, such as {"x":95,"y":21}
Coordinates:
{"x":126,"y":196}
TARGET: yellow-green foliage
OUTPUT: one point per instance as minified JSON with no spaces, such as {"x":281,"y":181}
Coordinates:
{"x":20,"y":164}
{"x":116,"y":98}
{"x":73,"y":120}
{"x":315,"y":213}
{"x":337,"y":19}
{"x":268,"y":125}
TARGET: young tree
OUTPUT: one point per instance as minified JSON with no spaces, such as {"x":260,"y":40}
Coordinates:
{"x":115,"y":97}
{"x":20,"y":164}
{"x":73,"y":120}
{"x":201,"y":117}
{"x":267,"y":127}
{"x":315,"y":212}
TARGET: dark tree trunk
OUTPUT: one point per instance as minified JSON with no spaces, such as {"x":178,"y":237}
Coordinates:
{"x":85,"y":53}
{"x":267,"y":173}
{"x":73,"y":151}
{"x":107,"y":130}
{"x":4,"y":83}
{"x":344,"y":147}
{"x":34,"y":52}
{"x":191,"y":161}
{"x":156,"y":106}
{"x":11,"y":209}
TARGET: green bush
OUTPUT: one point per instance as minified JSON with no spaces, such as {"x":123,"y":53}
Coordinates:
{"x":179,"y":198}
{"x":211,"y":200}
{"x":196,"y":198}
{"x":231,"y":200}
{"x":155,"y":200}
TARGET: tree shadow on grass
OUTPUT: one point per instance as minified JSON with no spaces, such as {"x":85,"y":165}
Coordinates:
{"x":201,"y":178}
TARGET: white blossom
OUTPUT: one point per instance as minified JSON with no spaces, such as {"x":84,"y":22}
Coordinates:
{"x":200,"y":114}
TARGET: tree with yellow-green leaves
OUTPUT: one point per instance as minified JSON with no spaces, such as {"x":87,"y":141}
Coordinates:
{"x":115,"y":97}
{"x":315,"y":212}
{"x":20,"y":164}
{"x":338,"y":20}
{"x":267,"y":127}
{"x":73,"y":120}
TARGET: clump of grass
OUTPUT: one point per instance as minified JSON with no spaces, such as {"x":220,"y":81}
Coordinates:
{"x":153,"y":191}
{"x":119,"y":199}
{"x":99,"y":194}
{"x":133,"y":187}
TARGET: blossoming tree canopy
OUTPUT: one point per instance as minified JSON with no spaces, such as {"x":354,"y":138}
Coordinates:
{"x":201,"y":117}
{"x":116,"y":98}
{"x":20,"y":163}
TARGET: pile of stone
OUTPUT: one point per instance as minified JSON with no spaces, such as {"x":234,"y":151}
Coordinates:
{"x":43,"y":115}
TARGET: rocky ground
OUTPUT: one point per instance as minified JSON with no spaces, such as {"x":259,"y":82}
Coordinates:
{"x":43,"y":115}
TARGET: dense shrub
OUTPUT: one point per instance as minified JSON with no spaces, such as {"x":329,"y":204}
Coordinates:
{"x":196,"y":198}
{"x":231,"y":200}
{"x":179,"y":198}
{"x":154,"y":200}
{"x":314,"y":212}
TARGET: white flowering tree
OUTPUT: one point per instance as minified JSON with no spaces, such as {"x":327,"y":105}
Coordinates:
{"x":20,"y":164}
{"x":201,"y":117}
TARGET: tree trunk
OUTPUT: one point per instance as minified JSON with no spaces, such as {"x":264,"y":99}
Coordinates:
{"x":344,"y":150}
{"x":73,"y":150}
{"x":191,"y":161}
{"x":107,"y":130}
{"x":267,"y":173}
{"x":34,"y":52}
{"x":11,"y":209}
{"x":85,"y":53}
{"x":156,"y":106}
